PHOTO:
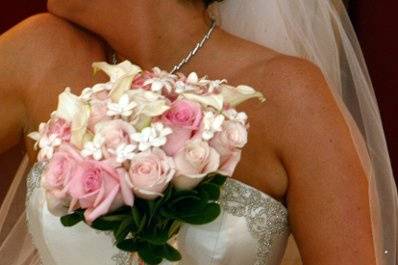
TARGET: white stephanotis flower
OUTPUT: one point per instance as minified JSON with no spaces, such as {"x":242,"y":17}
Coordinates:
{"x":233,"y":115}
{"x":182,"y":87}
{"x":123,"y":108}
{"x":212,"y":123}
{"x":162,"y":79}
{"x":213,"y":85}
{"x":154,"y":136}
{"x":161,"y":133}
{"x":47,"y":146}
{"x":124,"y":152}
{"x":94,"y":148}
{"x":39,"y":134}
{"x":191,"y":83}
{"x":88,"y":92}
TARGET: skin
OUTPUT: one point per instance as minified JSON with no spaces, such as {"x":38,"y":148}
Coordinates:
{"x":300,"y":150}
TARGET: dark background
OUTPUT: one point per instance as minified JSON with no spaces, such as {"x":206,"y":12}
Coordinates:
{"x":376,"y":23}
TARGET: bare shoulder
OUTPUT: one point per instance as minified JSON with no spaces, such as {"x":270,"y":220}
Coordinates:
{"x":42,"y":43}
{"x":296,"y":90}
{"x":325,"y":174}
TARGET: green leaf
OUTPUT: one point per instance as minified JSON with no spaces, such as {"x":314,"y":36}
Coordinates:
{"x":136,"y":216}
{"x":168,"y":213}
{"x":207,"y":215}
{"x":212,"y":191}
{"x":170,"y":253}
{"x":151,"y":207}
{"x":190,"y":206}
{"x":217,"y":179}
{"x":103,"y":225}
{"x":143,"y":223}
{"x":167,"y":195}
{"x":115,"y":218}
{"x":149,"y":255}
{"x":129,"y":245}
{"x":155,"y":237}
{"x":122,"y":210}
{"x":123,"y":229}
{"x":183,"y":198}
{"x":72,"y":219}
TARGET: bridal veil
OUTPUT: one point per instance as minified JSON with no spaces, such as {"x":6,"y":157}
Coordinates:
{"x":320,"y":31}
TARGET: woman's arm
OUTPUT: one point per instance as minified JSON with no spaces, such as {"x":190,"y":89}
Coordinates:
{"x":39,"y":58}
{"x":13,"y":76}
{"x":328,"y":191}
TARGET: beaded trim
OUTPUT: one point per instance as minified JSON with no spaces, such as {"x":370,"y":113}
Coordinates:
{"x":266,"y":217}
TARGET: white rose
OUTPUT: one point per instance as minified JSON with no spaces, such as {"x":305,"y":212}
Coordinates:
{"x":193,"y":162}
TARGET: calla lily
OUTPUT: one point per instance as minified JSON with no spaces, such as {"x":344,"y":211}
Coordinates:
{"x":121,"y":86}
{"x":115,"y":72}
{"x":234,"y":96}
{"x":214,"y":100}
{"x":75,"y":111}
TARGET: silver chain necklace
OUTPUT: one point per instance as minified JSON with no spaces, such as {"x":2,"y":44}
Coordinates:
{"x":192,"y":53}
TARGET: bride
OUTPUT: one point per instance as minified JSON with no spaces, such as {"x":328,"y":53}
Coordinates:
{"x":316,"y":150}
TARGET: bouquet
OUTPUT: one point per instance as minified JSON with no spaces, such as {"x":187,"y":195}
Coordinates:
{"x":142,"y":154}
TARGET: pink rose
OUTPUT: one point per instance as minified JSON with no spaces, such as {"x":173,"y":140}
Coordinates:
{"x":194,"y":162}
{"x":95,"y":187}
{"x":228,"y":143}
{"x":115,"y":133}
{"x":61,"y":128}
{"x":150,"y":173}
{"x":99,"y":108}
{"x":57,"y":176}
{"x":184,"y":118}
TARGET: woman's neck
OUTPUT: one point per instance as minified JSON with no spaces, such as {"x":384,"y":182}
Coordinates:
{"x":158,"y":33}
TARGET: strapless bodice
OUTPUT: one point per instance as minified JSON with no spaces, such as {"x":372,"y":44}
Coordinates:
{"x":252,"y":230}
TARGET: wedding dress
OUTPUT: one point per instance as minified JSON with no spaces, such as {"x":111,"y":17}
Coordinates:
{"x":253,"y":227}
{"x":252,"y":230}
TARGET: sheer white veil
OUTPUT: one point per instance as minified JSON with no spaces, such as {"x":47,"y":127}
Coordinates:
{"x":321,"y":31}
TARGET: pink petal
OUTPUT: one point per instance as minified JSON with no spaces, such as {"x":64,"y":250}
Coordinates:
{"x":103,"y":208}
{"x":127,"y":193}
{"x":229,"y":165}
{"x":176,"y":140}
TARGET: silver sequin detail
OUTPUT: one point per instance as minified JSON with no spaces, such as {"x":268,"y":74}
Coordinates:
{"x":33,"y":181}
{"x":266,"y":217}
{"x":123,"y":258}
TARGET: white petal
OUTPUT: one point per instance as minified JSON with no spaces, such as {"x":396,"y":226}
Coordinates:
{"x":136,"y":137}
{"x":158,"y":142}
{"x":122,"y":85}
{"x":124,"y":100}
{"x":35,"y":136}
{"x":144,"y":146}
{"x":207,"y":135}
{"x":218,"y":121}
{"x":97,"y":155}
{"x":215,"y":101}
{"x":236,"y":95}
{"x":117,"y":71}
{"x":192,"y":78}
{"x":156,"y":86}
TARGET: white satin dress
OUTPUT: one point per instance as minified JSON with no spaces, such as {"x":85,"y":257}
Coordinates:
{"x":252,"y":230}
